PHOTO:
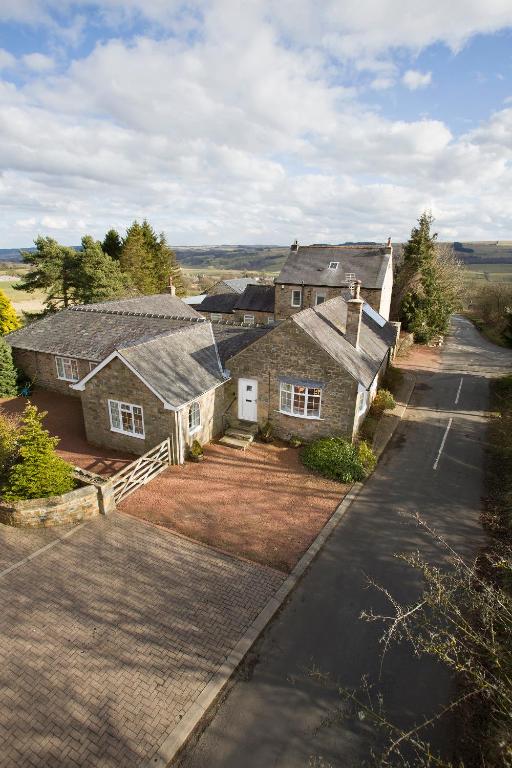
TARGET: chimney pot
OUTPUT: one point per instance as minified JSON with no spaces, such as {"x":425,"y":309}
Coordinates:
{"x":170,"y":287}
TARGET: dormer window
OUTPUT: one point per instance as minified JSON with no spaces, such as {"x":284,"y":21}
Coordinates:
{"x":334,"y":264}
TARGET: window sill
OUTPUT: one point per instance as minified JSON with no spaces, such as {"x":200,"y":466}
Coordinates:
{"x":70,"y":381}
{"x":127,"y":434}
{"x":193,"y":431}
{"x":300,"y":416}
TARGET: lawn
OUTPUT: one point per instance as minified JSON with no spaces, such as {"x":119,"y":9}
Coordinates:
{"x":7,"y":286}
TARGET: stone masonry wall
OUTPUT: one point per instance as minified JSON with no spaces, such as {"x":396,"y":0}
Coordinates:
{"x":42,"y":369}
{"x":116,"y":382}
{"x":284,"y":309}
{"x":287,"y":351}
{"x":212,"y":405}
{"x":72,"y":507}
{"x":260,"y":318}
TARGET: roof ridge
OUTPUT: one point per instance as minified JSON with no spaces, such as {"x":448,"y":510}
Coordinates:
{"x":127,"y":313}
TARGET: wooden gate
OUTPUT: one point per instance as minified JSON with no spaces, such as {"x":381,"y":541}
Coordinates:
{"x":141,"y":471}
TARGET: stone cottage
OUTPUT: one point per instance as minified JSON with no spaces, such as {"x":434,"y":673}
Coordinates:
{"x":255,"y":306}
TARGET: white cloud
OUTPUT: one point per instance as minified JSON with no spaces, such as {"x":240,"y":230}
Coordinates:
{"x":413,"y":79}
{"x":38,"y":62}
{"x":247,"y":130}
{"x":7,"y":60}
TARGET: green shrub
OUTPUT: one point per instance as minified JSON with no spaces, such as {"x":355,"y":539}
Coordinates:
{"x":295,"y":441}
{"x":366,"y":456}
{"x":196,"y":450}
{"x":338,"y":459}
{"x":39,"y":472}
{"x":368,"y":428}
{"x":9,"y":434}
{"x":8,"y":375}
{"x":383,"y":400}
{"x":265,"y":432}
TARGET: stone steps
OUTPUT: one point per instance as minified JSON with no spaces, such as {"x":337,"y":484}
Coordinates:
{"x":239,"y":437}
{"x":233,"y":442}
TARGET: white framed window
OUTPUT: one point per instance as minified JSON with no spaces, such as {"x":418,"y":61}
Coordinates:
{"x":194,"y":418}
{"x":67,"y":369}
{"x":296,"y":297}
{"x":334,"y":264}
{"x":249,"y":319}
{"x":270,"y":320}
{"x":319,"y":298}
{"x":299,"y":400}
{"x":126,"y":418}
{"x":215,"y":317}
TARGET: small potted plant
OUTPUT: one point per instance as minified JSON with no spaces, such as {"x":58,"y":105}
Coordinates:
{"x":295,"y":442}
{"x":266,"y":435}
{"x":196,"y":452}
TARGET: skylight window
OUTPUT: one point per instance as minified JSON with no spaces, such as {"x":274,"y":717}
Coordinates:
{"x":334,"y":264}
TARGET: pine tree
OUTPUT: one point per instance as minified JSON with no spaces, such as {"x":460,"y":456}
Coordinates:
{"x":426,"y":284}
{"x":8,"y":374}
{"x":136,"y":259}
{"x":53,"y":270}
{"x":112,"y":244}
{"x":39,"y":471}
{"x":99,"y":277}
{"x":9,"y":320}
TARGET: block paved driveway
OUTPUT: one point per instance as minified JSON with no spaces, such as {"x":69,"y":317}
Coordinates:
{"x":108,"y":635}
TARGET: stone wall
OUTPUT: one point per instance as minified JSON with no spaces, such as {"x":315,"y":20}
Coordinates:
{"x":260,"y":318}
{"x":73,"y":507}
{"x":116,"y":382}
{"x":212,"y":405}
{"x":283,"y":305}
{"x":288,"y":351}
{"x":42,"y":369}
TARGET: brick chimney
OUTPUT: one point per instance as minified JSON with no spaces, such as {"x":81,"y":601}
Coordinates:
{"x":354,"y":314}
{"x":170,"y":287}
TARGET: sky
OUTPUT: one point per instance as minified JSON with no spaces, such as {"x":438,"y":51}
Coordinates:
{"x":255,"y":122}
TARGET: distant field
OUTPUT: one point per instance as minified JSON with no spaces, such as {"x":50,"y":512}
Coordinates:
{"x":491,"y":273}
{"x":19,"y":297}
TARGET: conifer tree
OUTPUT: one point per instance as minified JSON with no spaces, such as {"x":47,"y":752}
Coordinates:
{"x":99,"y":277}
{"x":8,"y":375}
{"x":426,"y":285}
{"x":9,"y":320}
{"x":136,"y":259}
{"x":112,"y":244}
{"x":53,"y":270}
{"x":39,"y":472}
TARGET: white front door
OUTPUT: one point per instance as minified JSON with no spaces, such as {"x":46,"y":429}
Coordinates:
{"x":248,"y":399}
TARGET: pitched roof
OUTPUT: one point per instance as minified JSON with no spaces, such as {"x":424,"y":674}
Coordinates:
{"x":218,"y":302}
{"x":159,"y":303}
{"x":238,"y":284}
{"x":232,"y":339}
{"x":179,"y":365}
{"x":326,"y":325}
{"x":258,"y":298}
{"x":310,"y":265}
{"x":89,"y":335}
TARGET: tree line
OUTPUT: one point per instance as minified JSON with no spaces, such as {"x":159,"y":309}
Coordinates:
{"x":141,"y":263}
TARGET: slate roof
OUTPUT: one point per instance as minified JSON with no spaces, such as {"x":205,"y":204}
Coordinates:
{"x":310,"y":265}
{"x":326,"y":325}
{"x":179,"y":365}
{"x":239,"y":284}
{"x":159,"y":303}
{"x":232,"y":339}
{"x":219,"y":302}
{"x":258,"y":298}
{"x":90,"y":335}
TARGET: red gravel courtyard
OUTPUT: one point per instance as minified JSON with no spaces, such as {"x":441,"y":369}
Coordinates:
{"x":262,"y":504}
{"x":65,"y":420}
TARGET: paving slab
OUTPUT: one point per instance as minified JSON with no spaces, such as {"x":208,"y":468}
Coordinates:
{"x":109,"y":636}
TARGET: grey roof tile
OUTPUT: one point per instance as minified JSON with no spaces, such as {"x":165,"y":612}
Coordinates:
{"x":232,"y":339}
{"x":258,"y":298}
{"x":218,"y":302}
{"x":239,"y":284}
{"x":159,"y":303}
{"x":310,"y":265}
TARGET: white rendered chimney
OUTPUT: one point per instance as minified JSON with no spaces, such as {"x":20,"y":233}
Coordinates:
{"x":170,"y":287}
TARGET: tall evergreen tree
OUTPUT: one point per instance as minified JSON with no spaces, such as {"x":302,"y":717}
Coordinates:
{"x":112,"y":244}
{"x":99,"y":277}
{"x":54,"y":268}
{"x":425,"y":285}
{"x":9,"y":320}
{"x":136,"y":258}
{"x":39,"y":471}
{"x":8,"y":373}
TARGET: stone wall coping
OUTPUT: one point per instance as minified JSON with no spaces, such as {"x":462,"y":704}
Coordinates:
{"x":49,"y":501}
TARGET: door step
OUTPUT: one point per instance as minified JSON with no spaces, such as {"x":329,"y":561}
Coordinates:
{"x":235,"y":442}
{"x":239,"y":434}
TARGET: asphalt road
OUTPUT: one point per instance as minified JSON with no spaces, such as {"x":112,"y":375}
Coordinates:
{"x":284,"y":710}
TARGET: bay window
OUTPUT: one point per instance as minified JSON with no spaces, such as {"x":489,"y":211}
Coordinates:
{"x":300,"y":400}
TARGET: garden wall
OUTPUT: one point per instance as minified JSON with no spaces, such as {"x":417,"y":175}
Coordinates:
{"x":73,"y":507}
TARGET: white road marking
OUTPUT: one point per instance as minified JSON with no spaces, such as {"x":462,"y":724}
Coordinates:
{"x":442,"y":443}
{"x":458,"y":391}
